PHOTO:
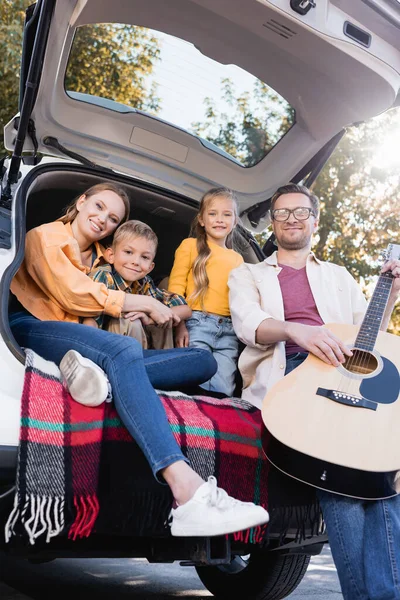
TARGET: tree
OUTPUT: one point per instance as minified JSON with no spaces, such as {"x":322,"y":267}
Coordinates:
{"x":357,"y":199}
{"x":108,"y":60}
{"x":248,"y":125}
{"x":360,"y":204}
{"x":114,"y":61}
{"x":12,"y":16}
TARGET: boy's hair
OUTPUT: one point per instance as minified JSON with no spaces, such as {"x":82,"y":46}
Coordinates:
{"x":295,"y":188}
{"x":200,"y":276}
{"x":134,"y":229}
{"x":71,"y":211}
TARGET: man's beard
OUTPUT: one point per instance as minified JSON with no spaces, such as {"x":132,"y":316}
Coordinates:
{"x":298,"y":244}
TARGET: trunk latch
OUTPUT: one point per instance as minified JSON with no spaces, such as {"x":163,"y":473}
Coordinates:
{"x":302,"y":6}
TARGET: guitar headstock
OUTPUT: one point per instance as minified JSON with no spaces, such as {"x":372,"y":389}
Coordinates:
{"x":392,"y":252}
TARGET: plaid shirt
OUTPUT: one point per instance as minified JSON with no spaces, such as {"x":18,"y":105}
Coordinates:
{"x":145,"y":287}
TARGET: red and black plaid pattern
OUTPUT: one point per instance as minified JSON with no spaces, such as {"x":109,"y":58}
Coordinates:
{"x":61,"y":443}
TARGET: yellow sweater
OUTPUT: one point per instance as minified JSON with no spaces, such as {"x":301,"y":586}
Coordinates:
{"x":220,"y":263}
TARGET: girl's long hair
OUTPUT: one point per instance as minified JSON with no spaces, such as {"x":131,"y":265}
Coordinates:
{"x":71,"y":211}
{"x":201,"y":281}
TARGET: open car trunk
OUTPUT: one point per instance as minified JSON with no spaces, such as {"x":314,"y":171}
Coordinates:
{"x":41,"y":198}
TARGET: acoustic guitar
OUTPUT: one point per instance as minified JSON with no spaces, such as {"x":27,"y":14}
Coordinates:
{"x":338,"y":428}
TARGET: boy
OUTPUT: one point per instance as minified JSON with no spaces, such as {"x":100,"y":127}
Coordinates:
{"x":131,"y":258}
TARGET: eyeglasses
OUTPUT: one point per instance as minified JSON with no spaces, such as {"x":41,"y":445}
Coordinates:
{"x":301,"y":213}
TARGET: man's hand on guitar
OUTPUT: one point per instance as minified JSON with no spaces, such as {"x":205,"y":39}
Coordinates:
{"x":394,"y":267}
{"x":319,"y":341}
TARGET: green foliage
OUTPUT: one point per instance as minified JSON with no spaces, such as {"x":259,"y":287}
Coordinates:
{"x":12,"y":16}
{"x":108,"y":60}
{"x":113,"y":61}
{"x":360,"y":203}
{"x":251,"y":124}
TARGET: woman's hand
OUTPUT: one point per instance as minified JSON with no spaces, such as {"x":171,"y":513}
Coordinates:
{"x":161,"y":315}
{"x":181,"y":335}
{"x":165,"y":321}
{"x":134,"y":316}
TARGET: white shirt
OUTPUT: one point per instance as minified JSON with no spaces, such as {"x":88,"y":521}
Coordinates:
{"x":255,"y":295}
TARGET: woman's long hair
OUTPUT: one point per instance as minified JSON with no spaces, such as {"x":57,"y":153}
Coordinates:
{"x":201,"y":281}
{"x":71,"y":211}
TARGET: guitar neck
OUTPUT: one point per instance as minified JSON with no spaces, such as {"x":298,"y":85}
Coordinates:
{"x":373,"y":317}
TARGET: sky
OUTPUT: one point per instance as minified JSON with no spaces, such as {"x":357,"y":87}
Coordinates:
{"x":388,"y":153}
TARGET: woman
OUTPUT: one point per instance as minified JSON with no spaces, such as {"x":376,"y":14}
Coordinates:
{"x":54,"y":290}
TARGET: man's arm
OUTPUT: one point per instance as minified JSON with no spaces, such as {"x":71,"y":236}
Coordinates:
{"x":245,"y":305}
{"x":255,"y":327}
{"x":318,"y":340}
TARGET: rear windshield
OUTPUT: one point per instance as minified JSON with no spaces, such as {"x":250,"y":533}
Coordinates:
{"x":124,"y":68}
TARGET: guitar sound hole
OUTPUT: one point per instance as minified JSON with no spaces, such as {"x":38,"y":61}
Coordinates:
{"x":362,"y":362}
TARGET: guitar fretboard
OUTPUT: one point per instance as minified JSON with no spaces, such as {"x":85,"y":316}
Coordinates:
{"x":373,"y":317}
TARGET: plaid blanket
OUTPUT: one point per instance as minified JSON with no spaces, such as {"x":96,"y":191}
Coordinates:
{"x":79,"y":469}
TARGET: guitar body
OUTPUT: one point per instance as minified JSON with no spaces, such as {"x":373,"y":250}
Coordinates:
{"x":338,"y":429}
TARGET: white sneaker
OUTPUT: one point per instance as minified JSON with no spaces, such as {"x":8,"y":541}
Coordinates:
{"x":87,"y":383}
{"x":212,"y":512}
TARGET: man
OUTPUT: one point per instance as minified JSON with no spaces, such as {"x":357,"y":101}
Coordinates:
{"x":278,"y":309}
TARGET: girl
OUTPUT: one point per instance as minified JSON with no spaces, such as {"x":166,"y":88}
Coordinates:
{"x":54,"y":290}
{"x":200,"y":274}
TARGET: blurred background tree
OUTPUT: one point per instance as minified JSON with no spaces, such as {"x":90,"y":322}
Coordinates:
{"x":113,"y":61}
{"x":359,"y":189}
{"x":252,"y":124}
{"x":107,"y":60}
{"x":12,"y":16}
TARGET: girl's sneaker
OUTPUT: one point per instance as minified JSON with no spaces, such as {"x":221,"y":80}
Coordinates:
{"x":212,"y":512}
{"x":87,"y":383}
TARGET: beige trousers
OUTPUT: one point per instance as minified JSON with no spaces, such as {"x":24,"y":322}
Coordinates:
{"x":149,"y":337}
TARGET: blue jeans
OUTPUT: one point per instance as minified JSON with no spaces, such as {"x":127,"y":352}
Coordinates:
{"x":133,"y":374}
{"x":216,"y":334}
{"x":364,"y":537}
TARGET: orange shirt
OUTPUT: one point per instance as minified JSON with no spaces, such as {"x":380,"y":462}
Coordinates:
{"x":52,"y":283}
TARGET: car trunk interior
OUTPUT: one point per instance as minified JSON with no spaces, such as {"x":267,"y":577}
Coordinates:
{"x":42,"y":197}
{"x":48,"y":189}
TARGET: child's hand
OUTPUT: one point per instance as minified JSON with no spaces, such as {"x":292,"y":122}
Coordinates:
{"x":181,"y":335}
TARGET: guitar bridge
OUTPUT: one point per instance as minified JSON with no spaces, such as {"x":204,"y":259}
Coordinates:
{"x":348,"y":399}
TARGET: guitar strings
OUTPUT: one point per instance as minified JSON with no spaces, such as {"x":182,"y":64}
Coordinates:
{"x":382,"y":289}
{"x":361,"y":358}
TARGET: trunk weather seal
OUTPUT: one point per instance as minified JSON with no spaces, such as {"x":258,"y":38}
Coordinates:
{"x":53,"y":142}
